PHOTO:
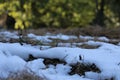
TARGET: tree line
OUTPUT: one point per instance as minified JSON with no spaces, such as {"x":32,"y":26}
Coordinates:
{"x":59,"y":13}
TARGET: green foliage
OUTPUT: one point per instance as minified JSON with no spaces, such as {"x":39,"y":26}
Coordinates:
{"x":14,"y":8}
{"x":114,"y":6}
{"x":55,"y":13}
{"x":50,"y":13}
{"x":65,"y":13}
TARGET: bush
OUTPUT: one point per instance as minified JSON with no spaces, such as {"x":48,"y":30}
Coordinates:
{"x":50,"y":13}
{"x":64,"y":13}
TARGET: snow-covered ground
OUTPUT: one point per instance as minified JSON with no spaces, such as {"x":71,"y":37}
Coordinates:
{"x":13,"y":58}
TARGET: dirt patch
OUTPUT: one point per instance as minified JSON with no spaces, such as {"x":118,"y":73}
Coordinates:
{"x":81,"y":68}
{"x":54,"y":62}
{"x":78,"y":68}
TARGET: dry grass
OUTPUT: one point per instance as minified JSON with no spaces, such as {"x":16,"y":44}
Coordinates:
{"x":91,"y":31}
{"x":24,"y":75}
{"x":111,"y":33}
{"x":86,"y":46}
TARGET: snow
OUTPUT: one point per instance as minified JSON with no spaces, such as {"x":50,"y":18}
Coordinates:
{"x":86,"y":37}
{"x":103,"y":39}
{"x":13,"y":58}
{"x":17,"y":49}
{"x":8,"y":35}
{"x":35,"y":65}
{"x":10,"y":64}
{"x":41,"y":38}
{"x":47,"y":37}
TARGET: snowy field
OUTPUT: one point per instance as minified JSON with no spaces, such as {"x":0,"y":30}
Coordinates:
{"x":15,"y":57}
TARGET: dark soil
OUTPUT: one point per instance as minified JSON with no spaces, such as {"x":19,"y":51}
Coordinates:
{"x":54,"y":62}
{"x":81,"y":68}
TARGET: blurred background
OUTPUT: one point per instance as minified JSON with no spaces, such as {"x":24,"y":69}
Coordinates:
{"x":24,"y":14}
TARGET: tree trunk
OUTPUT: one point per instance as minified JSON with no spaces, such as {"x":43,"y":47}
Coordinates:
{"x":99,"y":17}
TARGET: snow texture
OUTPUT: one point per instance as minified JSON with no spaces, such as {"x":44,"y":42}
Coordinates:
{"x":13,"y":58}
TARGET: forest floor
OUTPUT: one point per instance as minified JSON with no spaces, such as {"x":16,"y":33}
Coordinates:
{"x":63,"y":54}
